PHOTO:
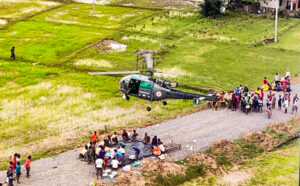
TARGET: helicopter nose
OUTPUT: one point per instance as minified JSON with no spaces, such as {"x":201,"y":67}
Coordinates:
{"x":123,"y":87}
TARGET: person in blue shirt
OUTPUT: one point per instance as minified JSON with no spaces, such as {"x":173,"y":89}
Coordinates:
{"x":102,"y":153}
{"x":268,"y":102}
{"x":18,"y":171}
{"x":119,"y":155}
{"x":137,"y":152}
{"x":154,"y":141}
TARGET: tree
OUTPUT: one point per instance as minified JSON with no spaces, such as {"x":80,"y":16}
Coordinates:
{"x":211,"y":8}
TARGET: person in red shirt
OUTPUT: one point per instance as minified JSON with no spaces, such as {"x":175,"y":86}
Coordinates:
{"x":10,"y":167}
{"x":94,"y":138}
{"x":106,"y":163}
{"x":125,"y":135}
{"x":270,"y":96}
{"x":265,"y":80}
{"x":15,"y":161}
{"x":262,"y":94}
{"x":27,"y":166}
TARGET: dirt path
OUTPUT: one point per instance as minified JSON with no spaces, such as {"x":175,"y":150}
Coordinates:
{"x":196,"y":130}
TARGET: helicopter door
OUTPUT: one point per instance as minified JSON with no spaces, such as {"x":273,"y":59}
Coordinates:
{"x":133,"y":86}
{"x":145,"y":89}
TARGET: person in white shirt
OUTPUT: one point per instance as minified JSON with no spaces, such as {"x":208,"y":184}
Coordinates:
{"x":122,"y":150}
{"x":287,"y":74}
{"x":162,"y":148}
{"x":115,"y":163}
{"x":112,"y":153}
{"x":295,"y":107}
{"x":99,"y":167}
{"x":18,"y":159}
{"x":286,"y":105}
{"x":276,"y":78}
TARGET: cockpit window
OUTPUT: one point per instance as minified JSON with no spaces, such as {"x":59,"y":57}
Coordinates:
{"x":146,"y":85}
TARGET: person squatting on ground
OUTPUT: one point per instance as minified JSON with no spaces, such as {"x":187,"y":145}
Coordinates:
{"x":137,"y":152}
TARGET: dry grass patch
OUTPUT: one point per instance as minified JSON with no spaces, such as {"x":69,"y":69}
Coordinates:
{"x":109,"y":46}
{"x":139,"y":38}
{"x":261,"y":139}
{"x":162,"y":167}
{"x":130,"y":179}
{"x":93,"y":63}
{"x":279,"y":127}
{"x":231,"y":151}
{"x":172,"y":72}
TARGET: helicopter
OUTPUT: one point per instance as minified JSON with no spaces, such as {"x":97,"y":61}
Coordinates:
{"x":152,"y":89}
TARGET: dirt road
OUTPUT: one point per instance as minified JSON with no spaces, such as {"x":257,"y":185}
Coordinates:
{"x":195,"y":132}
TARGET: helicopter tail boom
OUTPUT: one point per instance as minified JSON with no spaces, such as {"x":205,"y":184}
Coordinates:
{"x":177,"y":94}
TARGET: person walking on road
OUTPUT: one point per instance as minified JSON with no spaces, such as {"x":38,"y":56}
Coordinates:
{"x":286,"y":105}
{"x":279,"y":102}
{"x":295,"y":98}
{"x":295,"y":107}
{"x":27,"y":166}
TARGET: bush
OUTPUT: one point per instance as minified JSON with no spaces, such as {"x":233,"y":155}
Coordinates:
{"x":191,"y":172}
{"x":250,"y":150}
{"x":211,"y":8}
{"x":222,"y":160}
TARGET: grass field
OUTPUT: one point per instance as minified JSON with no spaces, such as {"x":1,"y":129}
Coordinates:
{"x":48,"y":100}
{"x":280,"y":167}
{"x":18,"y":9}
{"x":199,"y":51}
{"x":159,"y":4}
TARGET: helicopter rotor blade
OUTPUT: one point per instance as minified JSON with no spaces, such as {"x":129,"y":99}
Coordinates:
{"x":115,"y":73}
{"x":181,"y":77}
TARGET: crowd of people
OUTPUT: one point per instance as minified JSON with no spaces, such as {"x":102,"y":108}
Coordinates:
{"x":110,"y":152}
{"x":14,"y":169}
{"x":253,"y":101}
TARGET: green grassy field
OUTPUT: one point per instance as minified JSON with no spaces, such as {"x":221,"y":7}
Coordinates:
{"x":158,"y":4}
{"x":18,"y":9}
{"x":280,"y":167}
{"x":210,"y":53}
{"x":47,"y":99}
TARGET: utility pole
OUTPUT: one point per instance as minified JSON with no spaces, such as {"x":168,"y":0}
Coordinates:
{"x":276,"y":20}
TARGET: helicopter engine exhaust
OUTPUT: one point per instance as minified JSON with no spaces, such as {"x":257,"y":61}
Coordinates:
{"x":166,"y":83}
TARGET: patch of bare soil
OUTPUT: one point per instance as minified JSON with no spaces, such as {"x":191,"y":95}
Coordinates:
{"x":229,"y":150}
{"x":130,"y":179}
{"x":109,"y":46}
{"x":296,"y":118}
{"x":236,"y":178}
{"x":261,"y":139}
{"x":279,"y":127}
{"x":295,"y":80}
{"x":211,"y":165}
{"x":162,"y":167}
